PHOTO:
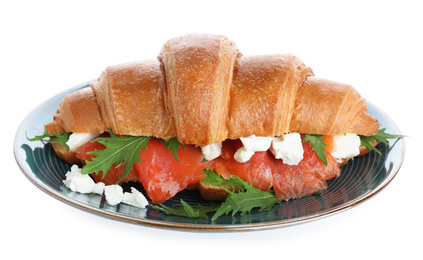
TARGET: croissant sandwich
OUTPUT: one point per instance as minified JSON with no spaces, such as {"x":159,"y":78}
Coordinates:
{"x":203,"y":107}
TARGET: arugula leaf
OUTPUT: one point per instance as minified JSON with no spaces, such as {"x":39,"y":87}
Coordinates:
{"x":216,"y":180}
{"x":121,"y":151}
{"x":54,"y":138}
{"x":192,"y":213}
{"x":379,"y":136}
{"x":242,"y":201}
{"x":245,"y":201}
{"x":173,"y":144}
{"x":318,"y":145}
{"x":186,"y":210}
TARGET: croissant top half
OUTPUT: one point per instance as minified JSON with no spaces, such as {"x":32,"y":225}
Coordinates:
{"x":202,"y":90}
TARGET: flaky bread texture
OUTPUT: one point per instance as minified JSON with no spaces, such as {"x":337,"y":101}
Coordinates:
{"x":199,"y":71}
{"x":131,"y":98}
{"x":78,"y":112}
{"x":330,"y":108}
{"x":202,"y":90}
{"x":263,"y":92}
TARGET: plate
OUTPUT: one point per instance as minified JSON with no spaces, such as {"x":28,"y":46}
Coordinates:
{"x":360,"y":180}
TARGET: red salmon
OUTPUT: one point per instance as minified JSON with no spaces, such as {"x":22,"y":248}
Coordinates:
{"x":256,"y":171}
{"x":306,"y":178}
{"x":162,"y":176}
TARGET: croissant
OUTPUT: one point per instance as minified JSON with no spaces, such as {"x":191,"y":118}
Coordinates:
{"x":202,"y":90}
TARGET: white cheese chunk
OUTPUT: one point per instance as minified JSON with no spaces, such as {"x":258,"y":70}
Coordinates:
{"x":211,"y":151}
{"x":76,"y":140}
{"x":251,"y":145}
{"x":346,"y":146}
{"x":99,"y":188}
{"x":134,"y":198}
{"x":114,"y":194}
{"x":242,"y":155}
{"x":83,"y":183}
{"x":256,"y":143}
{"x":288,"y":148}
{"x":78,"y":182}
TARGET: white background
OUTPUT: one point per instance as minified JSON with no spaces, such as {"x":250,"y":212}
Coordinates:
{"x":50,"y":46}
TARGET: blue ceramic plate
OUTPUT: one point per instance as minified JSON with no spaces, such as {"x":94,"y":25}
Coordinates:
{"x":360,"y":180}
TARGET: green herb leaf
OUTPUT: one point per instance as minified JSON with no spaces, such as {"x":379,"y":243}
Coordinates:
{"x":186,"y":210}
{"x":216,"y":180}
{"x":192,"y":213}
{"x":245,"y":201}
{"x":173,"y":144}
{"x":318,"y":145}
{"x":54,"y":138}
{"x":380,"y":136}
{"x":242,"y":201}
{"x":123,"y":151}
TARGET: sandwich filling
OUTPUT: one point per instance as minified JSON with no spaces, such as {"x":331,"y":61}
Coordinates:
{"x":259,"y":171}
{"x":287,"y":164}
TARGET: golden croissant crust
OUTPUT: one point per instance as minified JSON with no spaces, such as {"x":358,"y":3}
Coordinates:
{"x":202,"y":90}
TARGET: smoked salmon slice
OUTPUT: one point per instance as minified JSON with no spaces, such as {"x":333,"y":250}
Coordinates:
{"x":306,"y":178}
{"x":162,"y":176}
{"x":256,"y":171}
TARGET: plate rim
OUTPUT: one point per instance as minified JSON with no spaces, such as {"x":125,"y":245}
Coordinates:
{"x":199,"y":227}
